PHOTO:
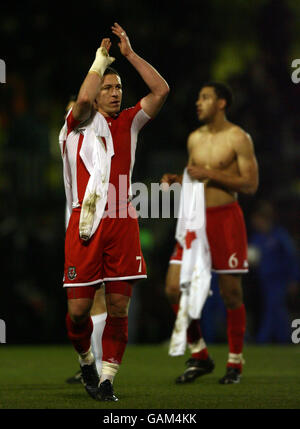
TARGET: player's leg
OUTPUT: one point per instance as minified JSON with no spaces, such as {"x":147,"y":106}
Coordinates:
{"x":231,"y":291}
{"x":194,"y":335}
{"x":199,"y":363}
{"x":82,"y":276}
{"x":172,"y":291}
{"x":115,"y":334}
{"x":172,"y":287}
{"x":228,"y":246}
{"x":98,"y":315}
{"x":79,"y":328}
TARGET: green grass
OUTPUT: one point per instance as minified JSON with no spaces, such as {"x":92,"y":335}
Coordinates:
{"x":33,"y":377}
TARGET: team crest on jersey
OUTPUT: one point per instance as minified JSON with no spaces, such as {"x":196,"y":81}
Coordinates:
{"x":72,"y":273}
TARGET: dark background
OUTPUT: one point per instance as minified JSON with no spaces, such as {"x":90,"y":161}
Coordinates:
{"x":48,"y":50}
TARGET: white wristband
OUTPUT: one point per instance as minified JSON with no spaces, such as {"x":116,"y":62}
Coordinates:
{"x":102,"y":61}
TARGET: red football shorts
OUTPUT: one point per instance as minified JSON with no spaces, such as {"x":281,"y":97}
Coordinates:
{"x":112,"y":254}
{"x":227,"y":237}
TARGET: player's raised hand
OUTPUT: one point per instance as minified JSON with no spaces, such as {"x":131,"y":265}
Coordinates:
{"x":124,"y":44}
{"x":102,"y":60}
{"x":106,"y":43}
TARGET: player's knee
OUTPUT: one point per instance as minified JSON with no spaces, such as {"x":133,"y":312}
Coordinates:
{"x":78,"y":317}
{"x":117,"y":306}
{"x":78,"y":311}
{"x":232,"y":298}
{"x":117,"y":311}
{"x":231,"y":290}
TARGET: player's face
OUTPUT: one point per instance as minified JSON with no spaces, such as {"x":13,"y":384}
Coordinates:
{"x":109,"y":98}
{"x":207,"y":104}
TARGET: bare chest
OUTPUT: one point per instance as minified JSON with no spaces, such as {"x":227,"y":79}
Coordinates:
{"x":213,"y":152}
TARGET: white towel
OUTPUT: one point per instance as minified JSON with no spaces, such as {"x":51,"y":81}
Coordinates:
{"x":97,"y":160}
{"x":66,"y":172}
{"x":195,"y":275}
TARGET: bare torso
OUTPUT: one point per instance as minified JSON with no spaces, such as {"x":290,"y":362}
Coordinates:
{"x":215,"y":151}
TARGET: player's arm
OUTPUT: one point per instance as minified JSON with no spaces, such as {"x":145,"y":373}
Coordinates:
{"x":159,"y":89}
{"x":247,"y":180}
{"x":91,"y":85}
{"x":192,"y":139}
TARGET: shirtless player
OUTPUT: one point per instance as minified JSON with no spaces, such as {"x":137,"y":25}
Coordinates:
{"x":222,"y":156}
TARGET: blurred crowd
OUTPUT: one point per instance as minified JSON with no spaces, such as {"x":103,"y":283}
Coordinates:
{"x":47,"y":55}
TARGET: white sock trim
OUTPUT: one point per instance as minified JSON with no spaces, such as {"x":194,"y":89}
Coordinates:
{"x":236,"y":358}
{"x":109,"y":370}
{"x":198,"y":346}
{"x":86,"y":358}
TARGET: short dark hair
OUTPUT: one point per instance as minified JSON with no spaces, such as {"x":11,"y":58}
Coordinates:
{"x":222,"y":91}
{"x":111,"y":70}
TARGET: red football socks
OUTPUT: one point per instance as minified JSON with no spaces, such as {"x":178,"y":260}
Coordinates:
{"x":80,"y":334}
{"x":175,"y":308}
{"x":236,"y":327}
{"x":194,"y":332}
{"x":114,"y":339}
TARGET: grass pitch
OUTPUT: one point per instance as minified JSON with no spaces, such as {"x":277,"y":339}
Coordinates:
{"x":33,"y":377}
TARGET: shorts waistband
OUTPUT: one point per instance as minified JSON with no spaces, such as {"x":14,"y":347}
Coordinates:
{"x":223,"y":207}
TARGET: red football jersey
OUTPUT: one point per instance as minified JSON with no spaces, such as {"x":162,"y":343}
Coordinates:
{"x":124,"y":129}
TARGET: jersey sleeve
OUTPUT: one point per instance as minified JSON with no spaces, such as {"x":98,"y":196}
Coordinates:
{"x":71,"y":122}
{"x":138,"y":116}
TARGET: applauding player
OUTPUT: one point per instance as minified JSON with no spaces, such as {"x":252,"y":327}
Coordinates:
{"x":112,"y":254}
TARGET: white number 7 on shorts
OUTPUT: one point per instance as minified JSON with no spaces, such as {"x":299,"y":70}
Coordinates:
{"x":139,"y":258}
